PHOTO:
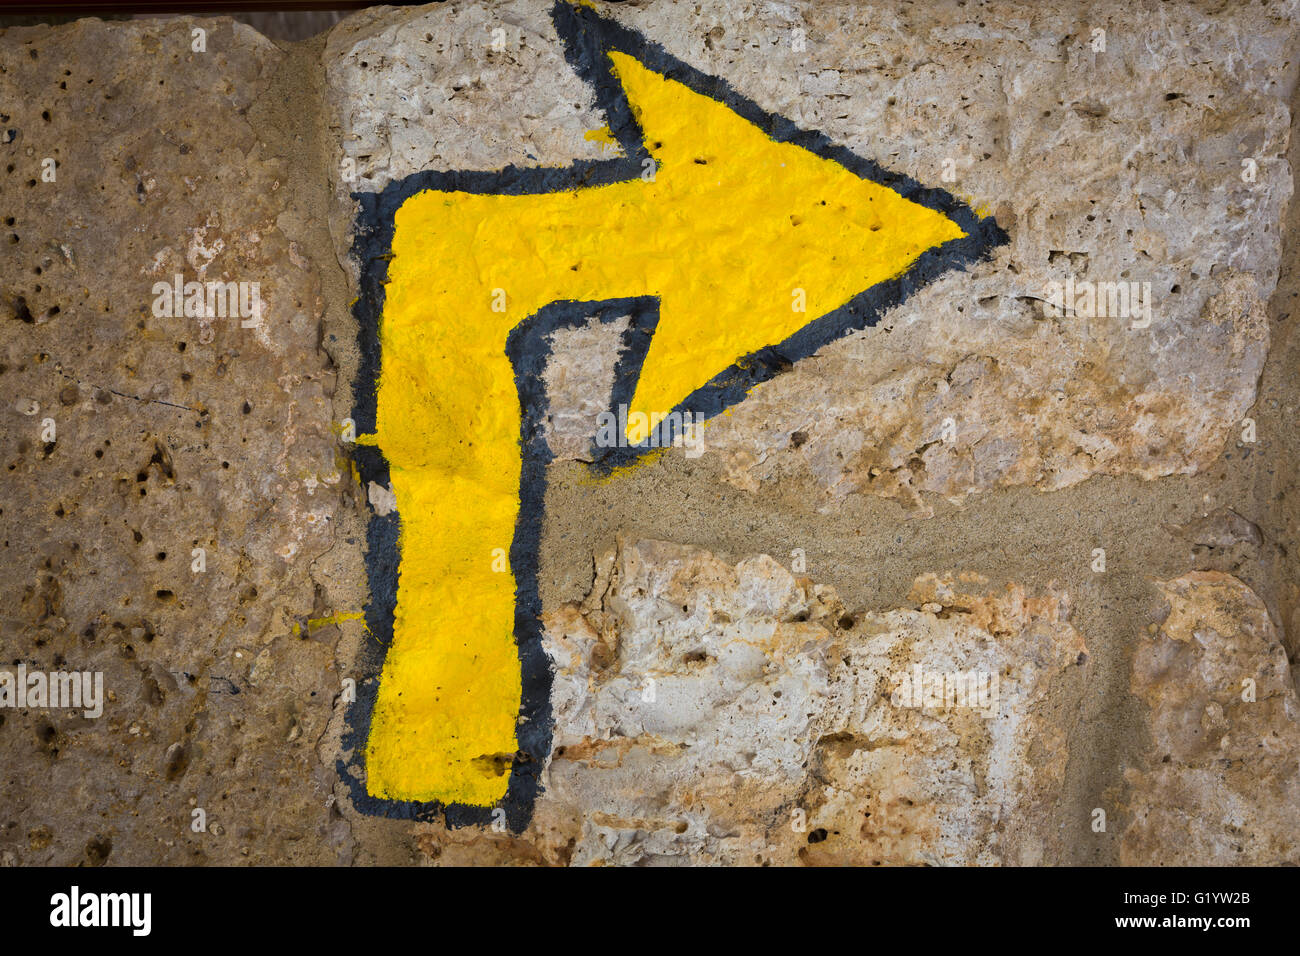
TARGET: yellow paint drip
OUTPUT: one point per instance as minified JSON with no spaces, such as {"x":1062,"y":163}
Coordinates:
{"x":731,"y":231}
{"x":603,"y":136}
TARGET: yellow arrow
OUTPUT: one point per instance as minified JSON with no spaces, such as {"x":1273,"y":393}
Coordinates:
{"x":743,"y":240}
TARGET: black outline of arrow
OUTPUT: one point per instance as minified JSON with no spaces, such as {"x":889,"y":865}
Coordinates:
{"x":587,"y":37}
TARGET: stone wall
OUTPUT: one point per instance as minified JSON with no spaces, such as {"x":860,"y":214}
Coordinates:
{"x":1086,"y":514}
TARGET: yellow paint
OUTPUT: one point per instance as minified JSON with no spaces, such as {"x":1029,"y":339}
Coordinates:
{"x":604,"y":136}
{"x":316,"y":623}
{"x":731,"y":226}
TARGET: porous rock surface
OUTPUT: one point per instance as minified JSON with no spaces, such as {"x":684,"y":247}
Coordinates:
{"x":719,"y":713}
{"x":1222,"y":784}
{"x":171,"y":434}
{"x":712,"y":704}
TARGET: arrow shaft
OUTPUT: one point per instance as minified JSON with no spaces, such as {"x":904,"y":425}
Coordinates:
{"x":444,"y":720}
{"x":448,"y":423}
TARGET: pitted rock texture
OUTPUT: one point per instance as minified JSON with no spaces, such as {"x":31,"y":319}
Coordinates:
{"x":422,"y":82}
{"x":941,"y":785}
{"x":686,"y":704}
{"x":457,"y":86}
{"x":710,"y":707}
{"x":578,"y":386}
{"x":171,"y":434}
{"x":716,"y":713}
{"x":1222,"y":786}
{"x":971,"y":384}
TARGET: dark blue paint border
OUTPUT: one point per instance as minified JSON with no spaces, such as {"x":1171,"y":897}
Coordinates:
{"x":587,"y":37}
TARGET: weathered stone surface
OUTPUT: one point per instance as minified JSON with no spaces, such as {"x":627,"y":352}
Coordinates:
{"x":1223,"y":541}
{"x":970,"y":386}
{"x":707,"y":712}
{"x":440,"y":88}
{"x":173,"y":434}
{"x":974,"y":387}
{"x":578,"y":385}
{"x":947,"y":785}
{"x":1222,"y":785}
{"x":775,"y":731}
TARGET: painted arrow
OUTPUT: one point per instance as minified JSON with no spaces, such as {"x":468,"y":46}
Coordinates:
{"x":736,"y":242}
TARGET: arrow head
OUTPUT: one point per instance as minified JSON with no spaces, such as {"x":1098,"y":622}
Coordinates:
{"x":757,"y":238}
